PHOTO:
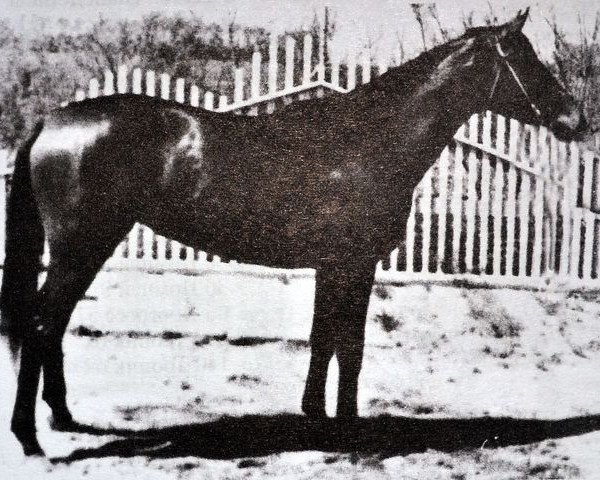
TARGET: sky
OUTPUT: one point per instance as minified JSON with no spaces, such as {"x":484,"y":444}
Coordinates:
{"x":382,"y":22}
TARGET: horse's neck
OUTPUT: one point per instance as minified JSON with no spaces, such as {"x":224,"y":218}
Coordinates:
{"x":411,"y":131}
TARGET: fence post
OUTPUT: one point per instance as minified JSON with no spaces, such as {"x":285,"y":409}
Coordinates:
{"x":335,"y":70}
{"x":136,"y":81}
{"x":569,"y":202}
{"x":273,"y":63}
{"x":484,"y":206}
{"x":209,"y":101}
{"x":238,"y":87}
{"x":222,"y":102}
{"x":382,"y":65}
{"x":307,"y":58}
{"x":255,"y":79}
{"x":442,"y":207}
{"x":365,"y":67}
{"x":165,"y":86}
{"x":109,"y":82}
{"x":410,"y":237}
{"x":576,"y":244}
{"x":498,"y":202}
{"x":524,"y":216}
{"x":588,"y":218}
{"x":202,"y":257}
{"x":94,"y":88}
{"x":147,"y":242}
{"x":194,"y":96}
{"x":457,"y":202}
{"x":176,"y":248}
{"x":471,"y":206}
{"x":150,"y":83}
{"x":425,"y":204}
{"x":538,"y":206}
{"x":588,"y":171}
{"x":596,"y":183}
{"x":497,"y":216}
{"x":351,"y":70}
{"x":122,"y":79}
{"x":290,"y":45}
{"x":588,"y":246}
{"x":180,"y":90}
{"x":552,"y":199}
{"x":511,"y":209}
{"x":132,"y":242}
{"x":161,"y":248}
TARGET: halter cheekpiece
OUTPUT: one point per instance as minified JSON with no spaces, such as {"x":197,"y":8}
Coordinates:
{"x":504,"y":56}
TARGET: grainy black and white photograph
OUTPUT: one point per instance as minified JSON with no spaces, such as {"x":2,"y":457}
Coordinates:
{"x":299,"y":239}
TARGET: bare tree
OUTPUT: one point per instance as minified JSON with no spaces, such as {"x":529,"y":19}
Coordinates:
{"x":433,"y":12}
{"x":417,"y":12}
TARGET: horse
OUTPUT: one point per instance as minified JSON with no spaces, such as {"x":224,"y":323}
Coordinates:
{"x":325,"y":183}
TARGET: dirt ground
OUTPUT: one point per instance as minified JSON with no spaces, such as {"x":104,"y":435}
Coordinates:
{"x":201,"y":377}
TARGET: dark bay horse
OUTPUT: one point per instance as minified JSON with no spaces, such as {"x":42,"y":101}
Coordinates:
{"x":324,"y":183}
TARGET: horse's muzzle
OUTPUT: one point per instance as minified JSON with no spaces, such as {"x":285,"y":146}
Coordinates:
{"x":570,"y":126}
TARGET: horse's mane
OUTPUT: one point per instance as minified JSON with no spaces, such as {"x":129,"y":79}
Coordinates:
{"x":405,"y":78}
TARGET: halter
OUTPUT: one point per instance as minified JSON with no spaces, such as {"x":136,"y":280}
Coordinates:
{"x":504,"y":56}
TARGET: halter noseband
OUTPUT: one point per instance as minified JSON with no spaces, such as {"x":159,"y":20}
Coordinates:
{"x":504,"y":56}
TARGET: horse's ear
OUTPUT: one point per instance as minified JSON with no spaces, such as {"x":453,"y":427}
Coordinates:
{"x":516,"y":24}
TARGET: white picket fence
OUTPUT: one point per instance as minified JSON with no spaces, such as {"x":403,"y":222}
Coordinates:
{"x":522,"y":213}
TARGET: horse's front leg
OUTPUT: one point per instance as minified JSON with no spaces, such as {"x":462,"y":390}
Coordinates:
{"x":350,"y":338}
{"x":341,"y":301}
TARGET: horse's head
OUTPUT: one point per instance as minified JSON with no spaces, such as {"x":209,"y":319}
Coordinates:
{"x":516,"y":84}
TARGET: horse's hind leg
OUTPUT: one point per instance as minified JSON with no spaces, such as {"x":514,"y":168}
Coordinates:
{"x":65,"y":285}
{"x":73,"y":266}
{"x":23,"y":419}
{"x":322,"y":346}
{"x":69,"y":276}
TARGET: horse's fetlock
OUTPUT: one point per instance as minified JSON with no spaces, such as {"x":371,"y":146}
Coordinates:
{"x":22,"y":424}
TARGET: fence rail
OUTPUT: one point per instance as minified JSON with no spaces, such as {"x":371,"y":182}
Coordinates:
{"x":505,"y":203}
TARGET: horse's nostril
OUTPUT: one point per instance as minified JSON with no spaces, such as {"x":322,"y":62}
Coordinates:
{"x":583,"y":124}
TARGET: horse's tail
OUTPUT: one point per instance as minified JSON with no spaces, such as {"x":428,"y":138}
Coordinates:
{"x":24,"y":247}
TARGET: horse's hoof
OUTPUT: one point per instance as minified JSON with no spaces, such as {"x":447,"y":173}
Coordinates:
{"x":30,"y":445}
{"x":64,"y":423}
{"x":33,"y":450}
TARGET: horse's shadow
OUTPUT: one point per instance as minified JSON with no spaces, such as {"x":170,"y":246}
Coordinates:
{"x":258,"y":435}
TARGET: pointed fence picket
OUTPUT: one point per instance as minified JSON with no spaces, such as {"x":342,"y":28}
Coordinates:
{"x":505,"y":202}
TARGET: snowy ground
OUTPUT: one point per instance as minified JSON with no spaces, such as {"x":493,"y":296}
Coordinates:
{"x":201,"y":377}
